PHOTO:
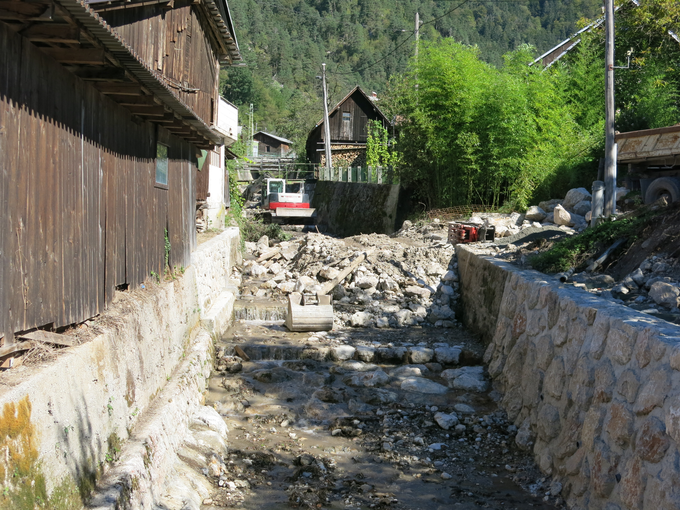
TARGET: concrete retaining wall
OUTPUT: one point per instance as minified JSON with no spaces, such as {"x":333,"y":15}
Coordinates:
{"x":351,"y":208}
{"x":88,"y":401}
{"x":594,"y":387}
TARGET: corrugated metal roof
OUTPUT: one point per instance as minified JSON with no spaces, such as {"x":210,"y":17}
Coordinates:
{"x":280,"y":139}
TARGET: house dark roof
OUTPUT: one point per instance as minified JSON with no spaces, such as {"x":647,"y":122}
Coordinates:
{"x":280,"y":139}
{"x":355,"y":89}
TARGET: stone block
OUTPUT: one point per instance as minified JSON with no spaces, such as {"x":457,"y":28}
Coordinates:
{"x":603,"y":470}
{"x":574,"y":196}
{"x":420,"y":355}
{"x":633,"y":483}
{"x":554,"y":379}
{"x":654,"y":391}
{"x":544,"y":352}
{"x":596,"y":338}
{"x":619,"y":424}
{"x":592,"y":426}
{"x":604,"y":382}
{"x":628,"y":385}
{"x":548,"y":422}
{"x":581,"y":385}
{"x":620,"y":342}
{"x":651,"y":440}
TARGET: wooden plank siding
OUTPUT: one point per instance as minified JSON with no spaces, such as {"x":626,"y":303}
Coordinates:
{"x":80,"y":212}
{"x":173,"y":43}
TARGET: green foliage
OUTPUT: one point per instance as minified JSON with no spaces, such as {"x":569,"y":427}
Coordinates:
{"x":378,"y":152}
{"x":574,"y":251}
{"x":365,"y":42}
{"x":253,"y":229}
{"x":473,"y":133}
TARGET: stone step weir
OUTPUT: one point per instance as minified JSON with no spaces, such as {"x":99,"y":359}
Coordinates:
{"x":264,"y":310}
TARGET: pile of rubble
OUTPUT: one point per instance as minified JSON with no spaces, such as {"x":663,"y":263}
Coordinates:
{"x":398,"y":283}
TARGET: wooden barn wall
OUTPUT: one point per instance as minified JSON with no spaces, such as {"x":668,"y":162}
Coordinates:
{"x":361,"y":110}
{"x":173,"y":43}
{"x":79,"y":210}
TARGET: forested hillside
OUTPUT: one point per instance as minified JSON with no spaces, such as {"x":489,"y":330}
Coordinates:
{"x":365,"y":42}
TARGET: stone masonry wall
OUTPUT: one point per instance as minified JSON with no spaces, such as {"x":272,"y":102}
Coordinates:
{"x":593,"y":387}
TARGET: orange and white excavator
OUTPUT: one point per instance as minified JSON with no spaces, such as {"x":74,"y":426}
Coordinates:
{"x":282,"y":204}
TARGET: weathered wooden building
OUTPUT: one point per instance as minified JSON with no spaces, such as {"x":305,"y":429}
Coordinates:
{"x":348,"y":123}
{"x":272,"y":146}
{"x":105,"y":108}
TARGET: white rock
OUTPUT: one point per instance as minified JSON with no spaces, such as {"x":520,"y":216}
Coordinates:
{"x":420,"y":354}
{"x":275,"y":268}
{"x":447,"y":290}
{"x":328,"y":273}
{"x":382,"y":322}
{"x":365,"y":353}
{"x":450,"y":276}
{"x":257,"y":270}
{"x":664,"y":294}
{"x":342,"y":352}
{"x":448,"y":355}
{"x":466,"y":378}
{"x":263,"y":243}
{"x":367,"y":282}
{"x":535,"y":213}
{"x":369,"y":379}
{"x":446,"y":421}
{"x":638,"y":277}
{"x":422,"y":385}
{"x":361,"y":319}
{"x":287,"y":287}
{"x":404,"y":318}
{"x":574,"y":196}
{"x":414,"y":291}
{"x":561,"y":216}
{"x":464,"y":409}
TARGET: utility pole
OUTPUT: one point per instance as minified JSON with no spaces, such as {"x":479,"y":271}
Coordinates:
{"x":326,"y":127}
{"x":610,"y":145}
{"x":417,"y":32}
{"x":250,"y":151}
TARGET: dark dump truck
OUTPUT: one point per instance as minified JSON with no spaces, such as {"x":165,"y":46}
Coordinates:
{"x":653,"y":159}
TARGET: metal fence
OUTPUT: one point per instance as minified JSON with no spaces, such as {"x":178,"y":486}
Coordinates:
{"x":277,"y":168}
{"x":377,"y":175}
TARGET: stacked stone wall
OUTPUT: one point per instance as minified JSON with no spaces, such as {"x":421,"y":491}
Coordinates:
{"x":593,"y":386}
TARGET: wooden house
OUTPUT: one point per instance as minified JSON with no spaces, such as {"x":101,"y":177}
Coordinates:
{"x":348,"y":123}
{"x":105,"y":109}
{"x":273,"y":146}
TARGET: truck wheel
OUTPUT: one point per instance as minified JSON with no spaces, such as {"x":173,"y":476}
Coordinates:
{"x":668,"y":186}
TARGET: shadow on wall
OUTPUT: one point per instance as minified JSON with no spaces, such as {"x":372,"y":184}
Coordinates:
{"x":351,"y":208}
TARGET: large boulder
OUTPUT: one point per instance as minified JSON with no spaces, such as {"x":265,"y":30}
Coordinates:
{"x":574,"y":196}
{"x":549,"y":205}
{"x":535,"y":213}
{"x":583,"y":207}
{"x":664,"y":294}
{"x":562,"y":216}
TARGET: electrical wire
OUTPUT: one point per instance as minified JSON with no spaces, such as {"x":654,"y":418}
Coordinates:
{"x":413,"y":34}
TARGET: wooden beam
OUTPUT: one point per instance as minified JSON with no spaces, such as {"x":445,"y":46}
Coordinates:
{"x":104,"y":74}
{"x":120,"y":89}
{"x":49,"y":338}
{"x":90,"y":56}
{"x":15,"y":347}
{"x":134,"y":100}
{"x":147,"y":111}
{"x":24,"y":11}
{"x":47,"y":32}
{"x":116,"y":6}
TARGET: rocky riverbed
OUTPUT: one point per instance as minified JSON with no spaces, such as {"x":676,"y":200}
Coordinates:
{"x":393,"y":408}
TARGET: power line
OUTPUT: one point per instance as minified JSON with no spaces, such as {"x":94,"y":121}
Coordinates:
{"x":412,"y":35}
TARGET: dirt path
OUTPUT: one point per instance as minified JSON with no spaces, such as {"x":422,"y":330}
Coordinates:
{"x":365,"y":418}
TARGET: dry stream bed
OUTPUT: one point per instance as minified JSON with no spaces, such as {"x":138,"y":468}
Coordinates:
{"x":361,"y":418}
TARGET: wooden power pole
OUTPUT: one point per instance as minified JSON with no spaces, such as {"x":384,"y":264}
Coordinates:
{"x":326,"y":127}
{"x":610,"y":145}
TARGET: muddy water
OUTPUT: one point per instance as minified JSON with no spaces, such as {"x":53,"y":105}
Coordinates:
{"x":310,"y":430}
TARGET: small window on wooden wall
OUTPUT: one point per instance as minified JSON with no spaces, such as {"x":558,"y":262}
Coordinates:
{"x":346,"y":125}
{"x":161,"y":164}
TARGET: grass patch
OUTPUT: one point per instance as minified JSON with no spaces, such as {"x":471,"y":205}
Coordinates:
{"x":576,"y":250}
